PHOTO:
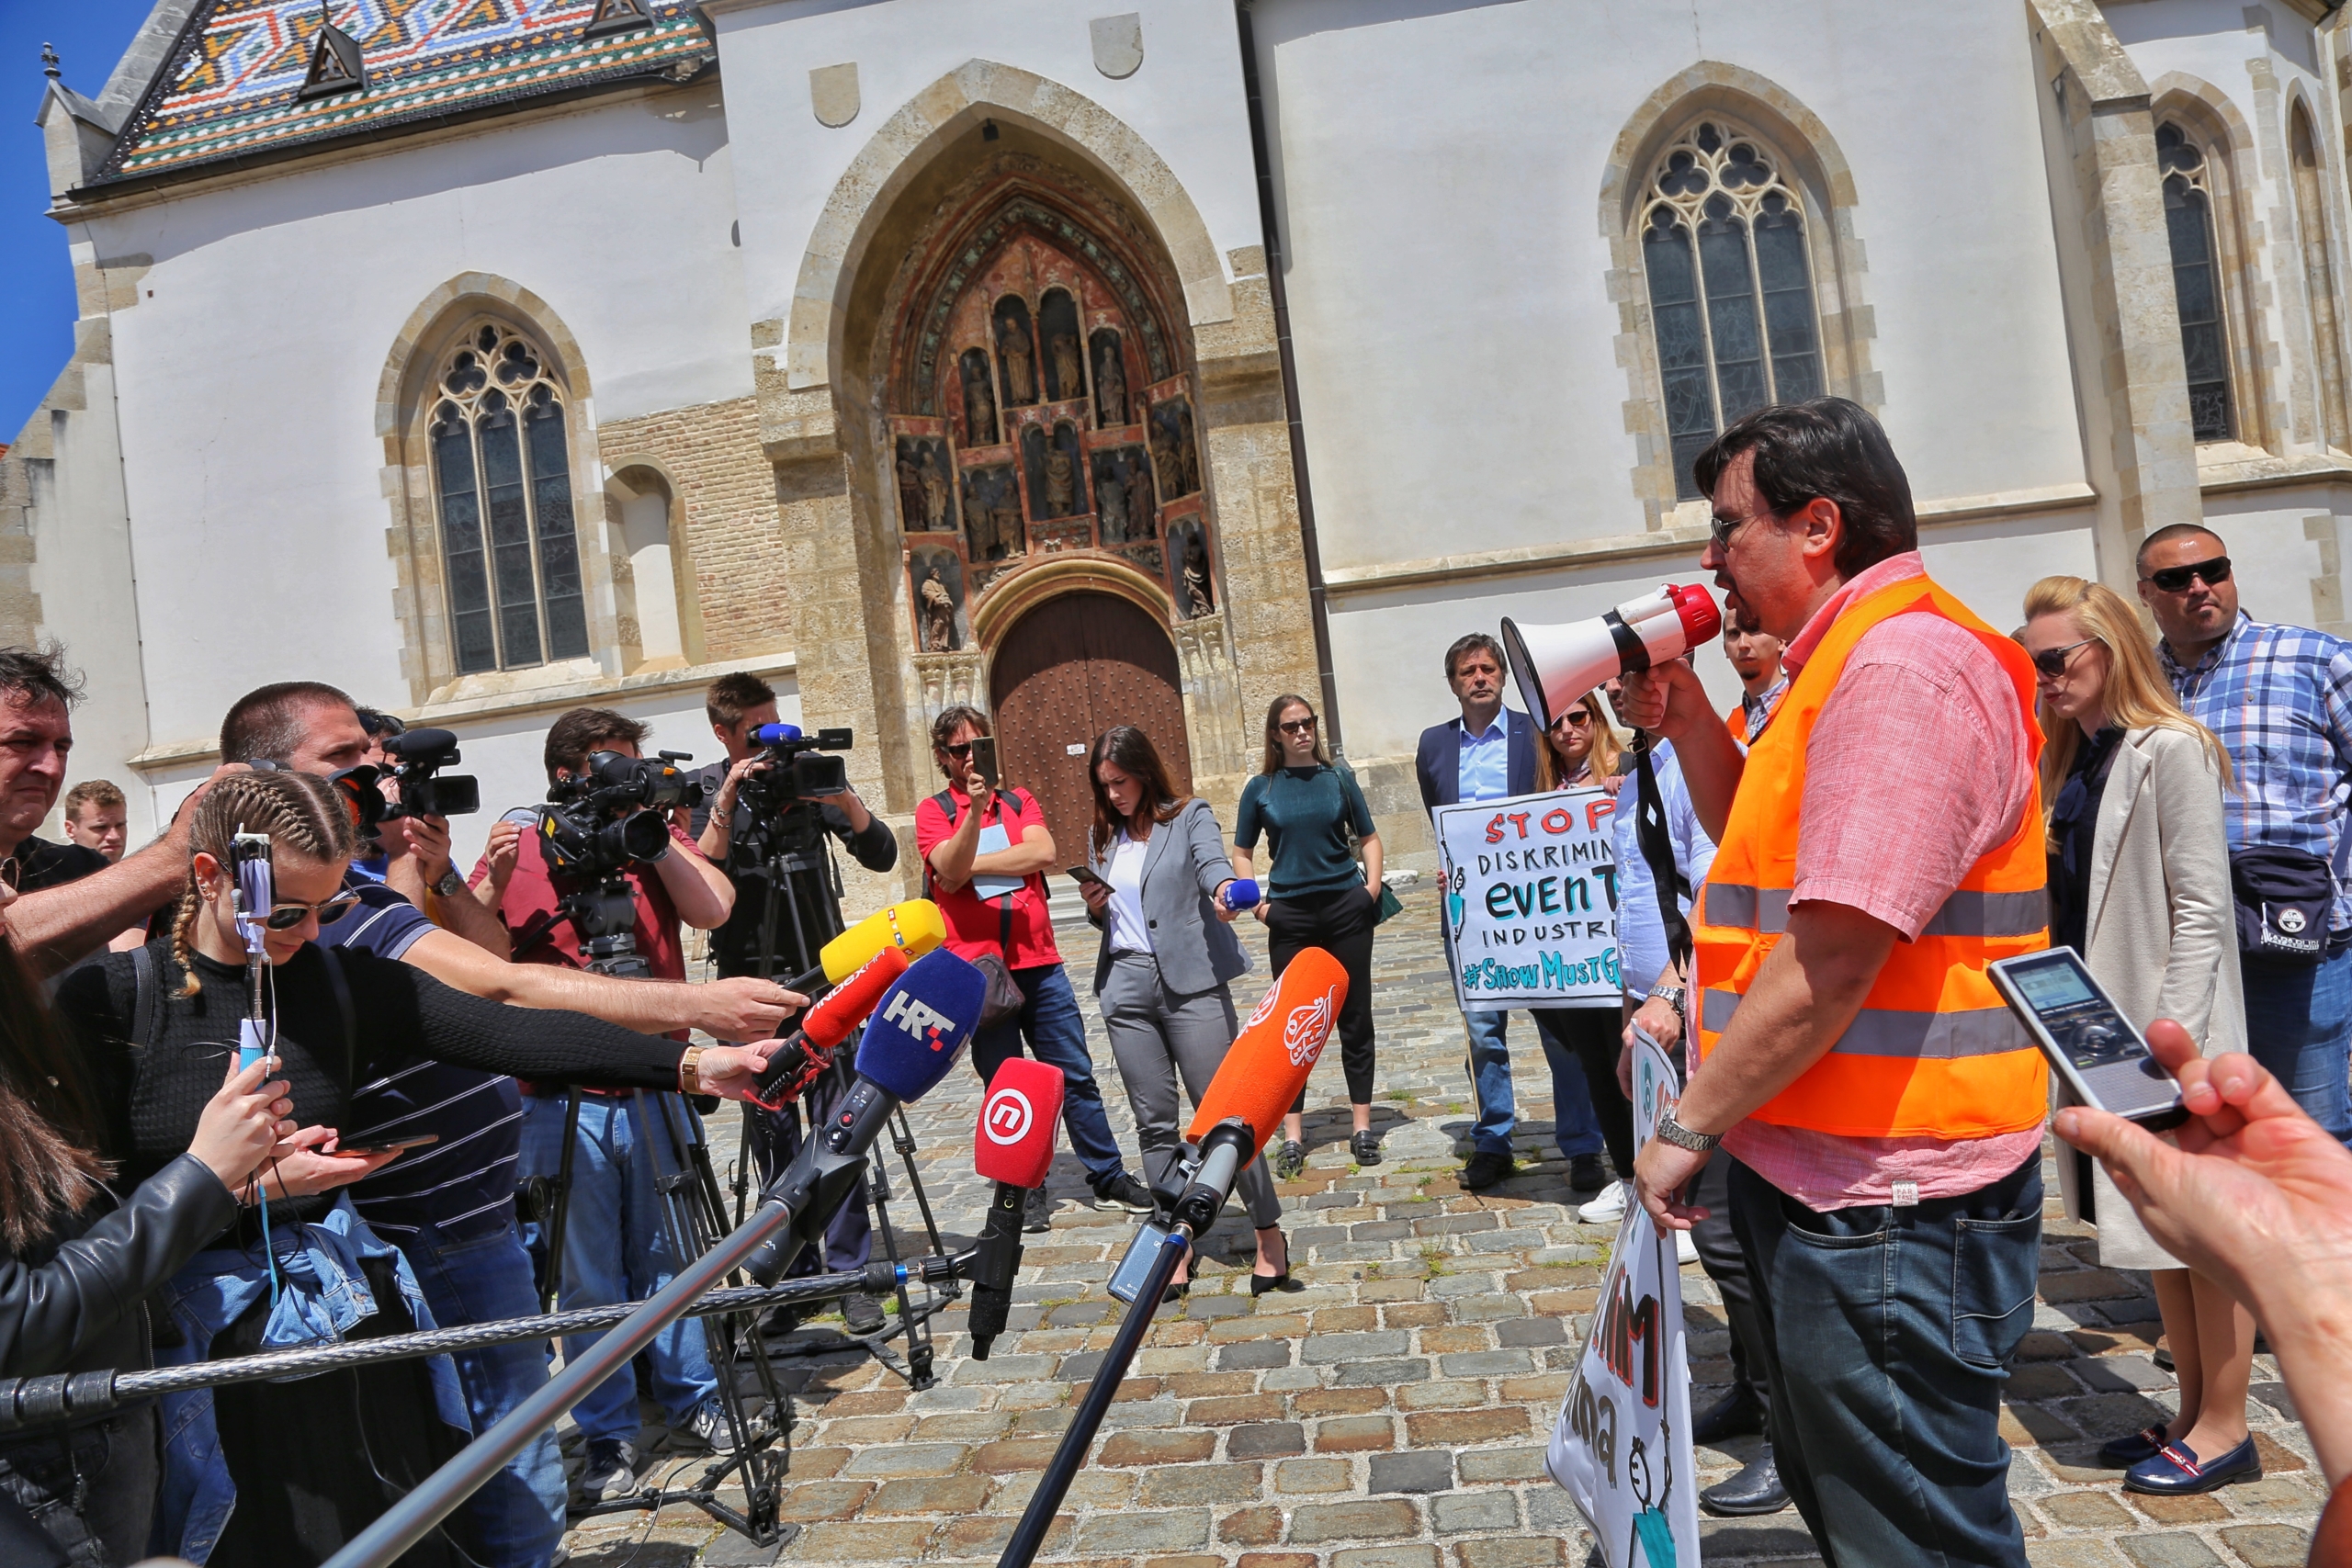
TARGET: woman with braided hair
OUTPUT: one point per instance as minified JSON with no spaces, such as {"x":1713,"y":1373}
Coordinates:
{"x":286,"y":1474}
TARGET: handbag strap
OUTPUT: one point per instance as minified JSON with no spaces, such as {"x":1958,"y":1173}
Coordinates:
{"x":1657,"y":851}
{"x":946,"y":800}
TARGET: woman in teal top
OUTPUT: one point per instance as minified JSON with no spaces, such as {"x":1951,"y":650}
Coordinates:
{"x":1317,"y":895}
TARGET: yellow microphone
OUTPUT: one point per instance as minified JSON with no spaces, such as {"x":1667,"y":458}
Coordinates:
{"x":914,"y":927}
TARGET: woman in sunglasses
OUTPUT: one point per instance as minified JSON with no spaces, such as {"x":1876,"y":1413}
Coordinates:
{"x":286,"y":1474}
{"x":2139,"y":887}
{"x":1316,"y":894}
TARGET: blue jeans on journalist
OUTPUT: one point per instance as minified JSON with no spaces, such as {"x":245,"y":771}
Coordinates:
{"x":1573,"y":1124}
{"x":2299,"y":1024}
{"x":1056,"y":1031}
{"x":1888,"y":1332}
{"x":615,"y":1249}
{"x":480,"y":1277}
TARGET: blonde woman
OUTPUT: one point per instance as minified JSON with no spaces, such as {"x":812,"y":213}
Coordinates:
{"x":2140,"y":886}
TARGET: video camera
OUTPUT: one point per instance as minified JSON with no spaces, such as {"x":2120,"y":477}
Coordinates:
{"x":798,"y":769}
{"x":419,"y":756}
{"x":611,"y":817}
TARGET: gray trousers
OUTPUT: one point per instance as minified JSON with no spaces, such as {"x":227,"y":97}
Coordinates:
{"x":1157,"y":1034}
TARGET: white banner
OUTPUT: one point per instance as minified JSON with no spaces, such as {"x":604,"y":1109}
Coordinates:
{"x":1622,"y":1446}
{"x":1531,"y":900}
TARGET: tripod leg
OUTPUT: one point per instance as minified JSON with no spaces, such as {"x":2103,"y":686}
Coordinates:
{"x":552,"y":1230}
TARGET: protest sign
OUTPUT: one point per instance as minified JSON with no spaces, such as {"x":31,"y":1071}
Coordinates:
{"x":1622,"y":1446}
{"x":1531,"y":900}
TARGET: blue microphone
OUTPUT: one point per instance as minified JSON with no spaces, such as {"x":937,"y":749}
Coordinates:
{"x":1242,"y":893}
{"x":924,"y":1020}
{"x":775,"y":734}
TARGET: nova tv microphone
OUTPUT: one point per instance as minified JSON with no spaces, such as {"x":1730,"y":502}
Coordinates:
{"x":913,"y":1037}
{"x":1557,"y":665}
{"x":823,"y":1027}
{"x":1013,"y":1147}
{"x":914,"y":926}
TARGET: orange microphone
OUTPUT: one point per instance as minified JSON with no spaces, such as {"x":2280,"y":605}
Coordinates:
{"x":1260,"y":1078}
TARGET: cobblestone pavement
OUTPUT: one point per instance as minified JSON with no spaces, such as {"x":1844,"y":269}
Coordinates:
{"x":1393,"y":1415}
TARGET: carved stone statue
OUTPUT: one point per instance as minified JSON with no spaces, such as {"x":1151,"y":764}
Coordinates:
{"x":1060,"y":491}
{"x":1139,"y":503}
{"x":1013,"y":347}
{"x":938,"y":614}
{"x":934,"y":490}
{"x":1007,"y":517}
{"x":1110,"y":388}
{"x":1199,"y":599}
{"x":1164,"y":466}
{"x":1188,"y":455}
{"x":1068,"y":383}
{"x":1110,"y":502}
{"x":913,"y":504}
{"x":979,"y":409}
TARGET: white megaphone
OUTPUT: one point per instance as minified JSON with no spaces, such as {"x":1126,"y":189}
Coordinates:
{"x":1557,"y":665}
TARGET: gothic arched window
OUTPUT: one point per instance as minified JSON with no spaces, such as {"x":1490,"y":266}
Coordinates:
{"x":1731,"y":288}
{"x":502,"y":481}
{"x":2319,"y":276}
{"x":2196,"y":281}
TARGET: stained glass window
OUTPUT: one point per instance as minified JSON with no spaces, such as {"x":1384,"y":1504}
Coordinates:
{"x":1731,"y":288}
{"x":503,"y":477}
{"x":2195,"y":282}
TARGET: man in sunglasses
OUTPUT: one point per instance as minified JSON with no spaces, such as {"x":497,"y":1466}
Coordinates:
{"x":449,"y":1206}
{"x":2281,"y":698}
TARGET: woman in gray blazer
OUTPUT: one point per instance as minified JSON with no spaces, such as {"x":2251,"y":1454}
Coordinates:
{"x":1168,"y":957}
{"x":2139,"y":887}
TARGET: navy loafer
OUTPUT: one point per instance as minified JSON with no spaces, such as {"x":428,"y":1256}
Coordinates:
{"x":2123,"y":1453}
{"x":2175,"y":1471}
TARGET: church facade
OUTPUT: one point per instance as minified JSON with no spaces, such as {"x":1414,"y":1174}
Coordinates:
{"x":488,"y":357}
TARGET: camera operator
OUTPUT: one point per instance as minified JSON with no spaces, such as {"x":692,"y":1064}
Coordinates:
{"x":615,"y":1248}
{"x":449,"y":1206}
{"x":730,"y":829}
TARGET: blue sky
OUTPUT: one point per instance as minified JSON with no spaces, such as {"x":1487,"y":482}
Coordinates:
{"x":35,"y":278}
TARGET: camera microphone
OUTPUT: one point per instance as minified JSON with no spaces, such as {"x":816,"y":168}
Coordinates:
{"x":1012,"y":1146}
{"x":823,"y":1027}
{"x":920,"y":1029}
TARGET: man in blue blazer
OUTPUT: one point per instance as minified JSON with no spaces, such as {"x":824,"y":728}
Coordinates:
{"x":1487,"y":753}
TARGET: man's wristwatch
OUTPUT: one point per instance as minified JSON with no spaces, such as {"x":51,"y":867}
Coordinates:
{"x":451,"y":884}
{"x":689,"y":1080}
{"x":1672,"y":996}
{"x":1682,"y":1137}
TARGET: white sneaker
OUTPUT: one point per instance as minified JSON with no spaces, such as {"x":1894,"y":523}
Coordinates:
{"x":1685,"y":1250}
{"x":1607,"y":1209}
{"x":708,"y":1423}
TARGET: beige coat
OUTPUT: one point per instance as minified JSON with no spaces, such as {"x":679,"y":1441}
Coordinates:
{"x":2162,"y":935}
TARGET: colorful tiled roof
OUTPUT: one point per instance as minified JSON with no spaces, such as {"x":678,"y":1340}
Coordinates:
{"x":228,"y":90}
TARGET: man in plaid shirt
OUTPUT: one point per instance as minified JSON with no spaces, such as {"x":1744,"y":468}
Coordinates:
{"x":2281,"y":698}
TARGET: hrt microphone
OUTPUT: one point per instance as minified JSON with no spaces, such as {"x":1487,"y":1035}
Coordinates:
{"x":1242,"y":893}
{"x":1557,"y":665}
{"x":912,"y":1039}
{"x":914,"y":926}
{"x":823,"y":1027}
{"x":1264,"y":1071}
{"x":1014,"y":1149}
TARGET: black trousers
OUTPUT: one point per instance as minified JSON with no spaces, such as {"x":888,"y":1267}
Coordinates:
{"x":1340,"y":922}
{"x":1720,"y":1256}
{"x":1594,"y":1037}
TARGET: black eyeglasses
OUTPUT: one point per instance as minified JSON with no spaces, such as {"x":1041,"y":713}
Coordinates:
{"x":2177,"y":579}
{"x":2052,"y":662}
{"x":1297,"y":726}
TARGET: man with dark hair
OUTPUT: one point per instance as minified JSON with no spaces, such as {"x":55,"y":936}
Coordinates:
{"x":96,"y":814}
{"x":2281,"y":698}
{"x":807,"y":914}
{"x":615,"y":1245}
{"x":37,"y":696}
{"x":1884,"y":1108}
{"x":1487,"y":752}
{"x":271,"y":723}
{"x":987,"y":853}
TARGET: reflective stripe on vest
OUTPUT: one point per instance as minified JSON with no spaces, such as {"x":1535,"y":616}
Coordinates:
{"x":1933,"y":1052}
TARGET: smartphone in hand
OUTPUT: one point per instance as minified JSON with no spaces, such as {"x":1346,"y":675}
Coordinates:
{"x":1081,"y":874}
{"x":984,"y":758}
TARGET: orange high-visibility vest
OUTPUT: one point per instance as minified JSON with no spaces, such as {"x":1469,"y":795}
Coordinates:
{"x":1934,"y":1052}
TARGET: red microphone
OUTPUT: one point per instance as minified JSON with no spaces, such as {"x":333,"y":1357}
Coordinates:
{"x":1269,"y":1061}
{"x":828,"y":1023}
{"x":1013,"y":1147}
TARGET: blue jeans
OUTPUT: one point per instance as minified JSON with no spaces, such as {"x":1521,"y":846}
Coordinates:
{"x":2299,"y":1024}
{"x":517,"y":1517}
{"x":1576,"y":1126}
{"x":615,"y":1249}
{"x":1887,"y":1333}
{"x":1056,"y":1031}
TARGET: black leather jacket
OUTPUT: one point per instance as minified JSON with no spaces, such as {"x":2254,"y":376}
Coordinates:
{"x":78,"y":1303}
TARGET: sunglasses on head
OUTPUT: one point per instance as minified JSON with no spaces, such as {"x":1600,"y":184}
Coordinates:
{"x":1297,"y":726}
{"x":2052,"y":662}
{"x":2177,"y":579}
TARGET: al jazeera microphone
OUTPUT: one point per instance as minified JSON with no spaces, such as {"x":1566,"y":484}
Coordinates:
{"x":912,"y":1038}
{"x":914,"y":926}
{"x":1557,"y":665}
{"x":799,"y":1060}
{"x":1013,"y":1146}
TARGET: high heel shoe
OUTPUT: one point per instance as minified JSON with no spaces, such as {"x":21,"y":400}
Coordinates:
{"x":1261,"y":1283}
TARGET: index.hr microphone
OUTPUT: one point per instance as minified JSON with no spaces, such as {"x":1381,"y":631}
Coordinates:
{"x":914,"y":926}
{"x":828,"y":1023}
{"x":1557,"y":665}
{"x":911,"y":1040}
{"x":1012,"y":1146}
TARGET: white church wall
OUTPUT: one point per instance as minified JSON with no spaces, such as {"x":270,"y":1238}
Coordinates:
{"x":2273,"y":557}
{"x":260,"y":515}
{"x":1184,"y":100}
{"x":1441,"y":168}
